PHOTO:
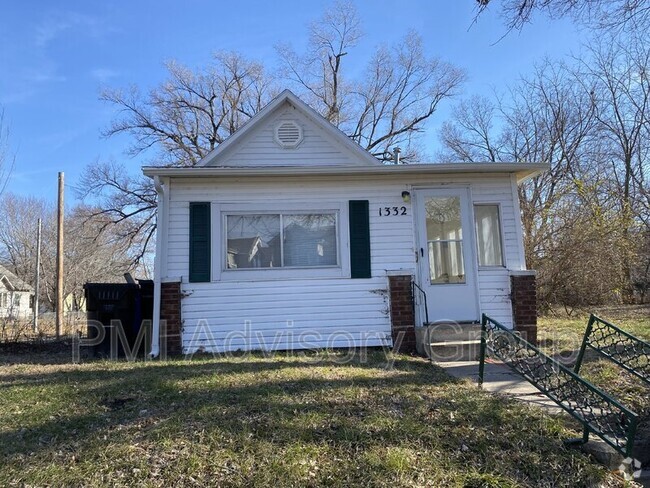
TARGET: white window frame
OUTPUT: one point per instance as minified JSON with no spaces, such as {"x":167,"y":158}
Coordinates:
{"x":501,"y":236}
{"x":220,"y":271}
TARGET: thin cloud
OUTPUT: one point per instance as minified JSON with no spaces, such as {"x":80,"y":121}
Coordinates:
{"x":103,"y":75}
{"x":16,"y":96}
{"x":55,"y":25}
{"x":59,"y":139}
{"x":44,"y":77}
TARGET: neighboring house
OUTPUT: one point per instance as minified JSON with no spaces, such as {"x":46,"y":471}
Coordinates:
{"x":74,"y":302}
{"x":290,"y":235}
{"x":16,"y":296}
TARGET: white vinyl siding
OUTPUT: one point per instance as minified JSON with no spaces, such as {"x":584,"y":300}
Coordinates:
{"x":336,"y":309}
{"x":15,"y":304}
{"x":260,"y":148}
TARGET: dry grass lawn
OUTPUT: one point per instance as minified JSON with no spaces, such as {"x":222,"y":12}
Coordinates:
{"x":315,"y":420}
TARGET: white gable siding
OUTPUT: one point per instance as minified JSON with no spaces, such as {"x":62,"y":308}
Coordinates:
{"x":344,"y":307}
{"x":259,"y":147}
{"x":11,"y":310}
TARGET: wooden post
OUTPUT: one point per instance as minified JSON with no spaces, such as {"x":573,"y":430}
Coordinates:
{"x":59,"y":260}
{"x":37,"y":280}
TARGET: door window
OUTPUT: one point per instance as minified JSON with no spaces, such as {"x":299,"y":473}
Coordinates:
{"x":444,"y":240}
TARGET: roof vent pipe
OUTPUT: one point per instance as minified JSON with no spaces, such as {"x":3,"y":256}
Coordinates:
{"x":396,"y":152}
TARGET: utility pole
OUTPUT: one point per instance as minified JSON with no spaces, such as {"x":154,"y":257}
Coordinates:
{"x":37,"y":280}
{"x":59,"y":261}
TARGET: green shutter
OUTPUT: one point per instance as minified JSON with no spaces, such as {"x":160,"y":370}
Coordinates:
{"x":199,"y":242}
{"x":359,"y":239}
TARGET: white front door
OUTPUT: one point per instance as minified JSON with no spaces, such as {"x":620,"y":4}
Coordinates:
{"x":447,"y":264}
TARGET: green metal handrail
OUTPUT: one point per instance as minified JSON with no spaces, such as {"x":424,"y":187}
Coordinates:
{"x":613,"y":343}
{"x":598,"y":412}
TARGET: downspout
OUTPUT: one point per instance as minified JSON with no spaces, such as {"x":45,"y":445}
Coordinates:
{"x":155,"y":339}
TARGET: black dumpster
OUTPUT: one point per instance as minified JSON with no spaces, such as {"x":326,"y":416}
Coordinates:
{"x":116,"y":313}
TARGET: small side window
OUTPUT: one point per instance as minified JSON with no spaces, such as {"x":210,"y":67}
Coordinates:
{"x":488,"y":235}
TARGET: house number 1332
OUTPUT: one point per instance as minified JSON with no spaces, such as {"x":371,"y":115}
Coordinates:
{"x":388,"y":211}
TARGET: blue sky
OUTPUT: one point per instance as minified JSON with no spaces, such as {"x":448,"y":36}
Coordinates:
{"x":56,"y":56}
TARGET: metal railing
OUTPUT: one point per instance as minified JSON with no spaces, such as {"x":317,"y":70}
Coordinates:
{"x":629,"y":352}
{"x":598,"y":412}
{"x":415,"y":286}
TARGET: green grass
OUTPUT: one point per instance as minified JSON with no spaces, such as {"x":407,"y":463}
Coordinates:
{"x":561,"y":336}
{"x":281,"y":421}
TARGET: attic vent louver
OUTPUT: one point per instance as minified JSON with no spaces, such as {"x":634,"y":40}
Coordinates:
{"x":288,"y":134}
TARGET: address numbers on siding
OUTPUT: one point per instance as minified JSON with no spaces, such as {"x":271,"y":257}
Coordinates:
{"x":391,"y":211}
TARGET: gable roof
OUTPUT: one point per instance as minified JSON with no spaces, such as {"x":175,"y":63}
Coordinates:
{"x":12,"y":281}
{"x":286,"y":96}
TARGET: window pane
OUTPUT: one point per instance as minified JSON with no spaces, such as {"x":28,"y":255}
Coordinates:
{"x":446,"y":262}
{"x":253,"y":241}
{"x":488,"y":235}
{"x":443,"y":219}
{"x":310,"y":240}
{"x":445,"y":240}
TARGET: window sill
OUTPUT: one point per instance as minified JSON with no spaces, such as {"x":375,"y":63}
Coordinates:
{"x":271,"y":274}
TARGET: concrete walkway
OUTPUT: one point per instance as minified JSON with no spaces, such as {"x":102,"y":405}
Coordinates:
{"x":499,"y":378}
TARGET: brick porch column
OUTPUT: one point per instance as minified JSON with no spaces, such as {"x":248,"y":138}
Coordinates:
{"x":170,"y":319}
{"x":402,"y":314}
{"x":524,"y":304}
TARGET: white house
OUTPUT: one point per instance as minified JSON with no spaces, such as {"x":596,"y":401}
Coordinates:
{"x":290,"y":235}
{"x":15,"y":296}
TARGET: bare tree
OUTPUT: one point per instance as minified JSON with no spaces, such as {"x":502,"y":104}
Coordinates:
{"x":92,"y":253}
{"x":196,"y":110}
{"x":18,"y":217}
{"x":621,"y":74}
{"x":621,"y":89}
{"x":184,"y":119}
{"x":319,"y":72}
{"x":601,"y":14}
{"x":126,"y":208}
{"x":470,"y":135}
{"x":390,"y":104}
{"x":547,"y":117}
{"x":192,"y":112}
{"x":400,"y":92}
{"x":586,"y":219}
{"x":89,"y":254}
